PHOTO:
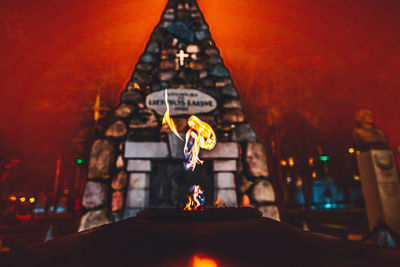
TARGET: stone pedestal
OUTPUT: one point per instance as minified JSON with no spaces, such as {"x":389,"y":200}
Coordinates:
{"x":138,"y":188}
{"x":381,"y":187}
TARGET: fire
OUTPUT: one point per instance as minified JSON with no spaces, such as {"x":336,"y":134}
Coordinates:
{"x":196,"y":199}
{"x":191,"y":150}
{"x":219,"y":203}
{"x":200,"y":135}
{"x":205,"y":132}
{"x":167,"y":119}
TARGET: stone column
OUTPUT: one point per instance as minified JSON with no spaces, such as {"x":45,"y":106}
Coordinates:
{"x":140,"y":155}
{"x":225,"y":189}
{"x":381,"y":186}
{"x":225,"y":155}
{"x":138,"y":189}
{"x":255,"y":180}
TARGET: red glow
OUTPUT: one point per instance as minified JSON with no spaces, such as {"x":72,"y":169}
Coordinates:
{"x":245,"y":201}
{"x":24,"y":217}
{"x":314,"y":57}
{"x":77,"y":204}
{"x":201,"y":261}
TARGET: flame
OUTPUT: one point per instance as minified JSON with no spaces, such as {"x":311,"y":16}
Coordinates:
{"x":192,"y":150}
{"x":167,"y":119}
{"x":200,"y":135}
{"x":203,"y":262}
{"x":219,"y":202}
{"x":189,"y":204}
{"x":205,"y":132}
{"x":196,"y":199}
{"x":245,"y":201}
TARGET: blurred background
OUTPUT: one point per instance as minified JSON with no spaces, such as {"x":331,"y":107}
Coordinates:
{"x":303,"y":69}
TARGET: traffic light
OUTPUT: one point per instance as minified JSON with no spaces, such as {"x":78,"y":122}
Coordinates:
{"x":79,"y":161}
{"x":324,"y":158}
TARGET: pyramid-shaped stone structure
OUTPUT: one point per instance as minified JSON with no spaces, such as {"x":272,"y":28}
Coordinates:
{"x":138,"y":162}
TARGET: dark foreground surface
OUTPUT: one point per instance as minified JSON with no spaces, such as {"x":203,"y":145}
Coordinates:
{"x":168,"y":237}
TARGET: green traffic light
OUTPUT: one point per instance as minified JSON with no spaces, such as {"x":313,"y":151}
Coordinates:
{"x":324,"y":158}
{"x":79,"y":161}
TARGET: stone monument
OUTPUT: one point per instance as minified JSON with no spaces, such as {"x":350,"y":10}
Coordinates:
{"x":139,"y":162}
{"x":378,"y":171}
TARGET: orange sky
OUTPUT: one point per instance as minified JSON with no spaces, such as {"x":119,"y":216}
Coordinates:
{"x":325,"y":59}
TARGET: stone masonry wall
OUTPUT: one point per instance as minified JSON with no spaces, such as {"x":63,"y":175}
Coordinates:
{"x":180,"y":54}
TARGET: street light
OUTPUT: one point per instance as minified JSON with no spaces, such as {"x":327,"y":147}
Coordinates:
{"x":57,"y":174}
{"x":324,"y":158}
{"x":12,"y":164}
{"x":79,"y":162}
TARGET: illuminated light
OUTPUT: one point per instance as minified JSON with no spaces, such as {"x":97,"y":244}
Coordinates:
{"x":77,"y":204}
{"x":200,"y":135}
{"x":351,"y":150}
{"x":136,"y":86}
{"x":314,"y":175}
{"x":60,"y":209}
{"x":246,"y":201}
{"x":182,"y":55}
{"x":356,"y":177}
{"x":311,"y":161}
{"x":291,"y":162}
{"x":79,"y":161}
{"x":66,"y":191}
{"x":167,"y":119}
{"x":24,"y":217}
{"x":38,"y":210}
{"x":289,"y":179}
{"x":283,"y":162}
{"x":22,"y":199}
{"x":96,"y":109}
{"x":96,"y":116}
{"x":199,"y":261}
{"x":13,"y":198}
{"x":196,"y":199}
{"x":32,"y":199}
{"x":324,"y":158}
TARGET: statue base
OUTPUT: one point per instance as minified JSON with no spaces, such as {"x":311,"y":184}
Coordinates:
{"x":381,"y":186}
